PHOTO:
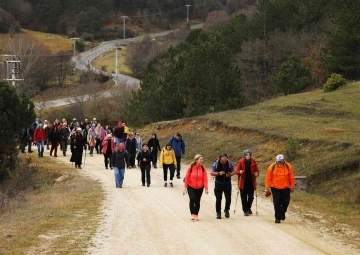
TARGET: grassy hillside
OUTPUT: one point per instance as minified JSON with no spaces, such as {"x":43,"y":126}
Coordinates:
{"x":326,"y":125}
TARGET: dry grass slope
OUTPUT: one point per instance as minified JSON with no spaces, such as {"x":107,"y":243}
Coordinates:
{"x":108,"y":60}
{"x":58,"y":218}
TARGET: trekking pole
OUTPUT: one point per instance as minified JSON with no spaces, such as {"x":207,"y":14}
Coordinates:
{"x":85,"y":158}
{"x":256,"y":196}
{"x":237,"y":196}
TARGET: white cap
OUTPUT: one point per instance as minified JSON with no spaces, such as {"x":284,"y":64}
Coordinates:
{"x":280,"y":158}
{"x":78,"y":129}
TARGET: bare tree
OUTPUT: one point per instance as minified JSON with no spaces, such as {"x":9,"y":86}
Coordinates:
{"x":216,"y":18}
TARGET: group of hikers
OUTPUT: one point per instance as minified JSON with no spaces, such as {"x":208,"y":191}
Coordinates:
{"x":124,"y":149}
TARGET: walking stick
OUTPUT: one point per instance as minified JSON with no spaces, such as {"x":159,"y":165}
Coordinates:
{"x":256,"y":195}
{"x":237,"y":196}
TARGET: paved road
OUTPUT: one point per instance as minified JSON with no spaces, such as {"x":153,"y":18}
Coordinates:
{"x":156,"y":220}
{"x":83,"y":62}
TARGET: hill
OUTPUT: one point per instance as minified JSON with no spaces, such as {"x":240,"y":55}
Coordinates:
{"x":322,"y":129}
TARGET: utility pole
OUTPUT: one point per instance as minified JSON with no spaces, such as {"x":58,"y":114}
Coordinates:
{"x":13,"y":67}
{"x":187,"y":16}
{"x":74,"y":39}
{"x":124,"y":24}
{"x":116,"y":60}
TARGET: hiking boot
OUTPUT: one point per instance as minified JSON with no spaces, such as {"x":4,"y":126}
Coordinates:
{"x":106,"y":167}
{"x":246,"y":214}
{"x":148,"y":185}
{"x":79,"y":167}
{"x":171,"y":185}
{"x":227,"y":214}
{"x":250,"y":212}
{"x":165,"y":185}
{"x":143,"y":184}
{"x":178,"y":176}
{"x":218,"y":216}
{"x":277,"y":221}
{"x":283,"y":217}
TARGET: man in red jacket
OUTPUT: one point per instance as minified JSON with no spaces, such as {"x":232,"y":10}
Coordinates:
{"x":39,"y":138}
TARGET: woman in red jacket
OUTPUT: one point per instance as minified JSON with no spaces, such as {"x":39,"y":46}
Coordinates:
{"x":195,"y":181}
{"x":248,"y":171}
{"x":39,"y":138}
{"x":108,"y":147}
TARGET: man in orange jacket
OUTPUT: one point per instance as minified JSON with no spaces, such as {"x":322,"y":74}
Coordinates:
{"x":280,"y":178}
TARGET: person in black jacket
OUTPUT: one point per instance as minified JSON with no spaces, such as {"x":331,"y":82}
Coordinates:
{"x":77,"y":146}
{"x":54,"y":139}
{"x":26,"y":139}
{"x":144,"y":157}
{"x":119,"y":158}
{"x":64,"y":136}
{"x":130,"y":147}
{"x":154,"y":146}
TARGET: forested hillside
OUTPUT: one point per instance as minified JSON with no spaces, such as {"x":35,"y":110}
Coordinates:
{"x":286,"y":48}
{"x":101,"y":19}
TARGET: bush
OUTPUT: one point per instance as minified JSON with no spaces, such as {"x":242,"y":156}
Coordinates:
{"x":292,"y":147}
{"x":80,"y":45}
{"x":334,"y":82}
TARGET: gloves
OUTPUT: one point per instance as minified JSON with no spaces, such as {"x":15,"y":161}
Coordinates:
{"x":267,"y":193}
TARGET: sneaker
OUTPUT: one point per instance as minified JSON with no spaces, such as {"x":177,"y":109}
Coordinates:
{"x":143,"y":184}
{"x":277,"y":221}
{"x":218,"y":216}
{"x":171,"y":185}
{"x":106,"y":167}
{"x":165,"y":185}
{"x":227,"y":214}
{"x":79,"y":167}
{"x":178,"y":176}
{"x":148,"y":185}
{"x":250,"y":212}
{"x":246,"y":214}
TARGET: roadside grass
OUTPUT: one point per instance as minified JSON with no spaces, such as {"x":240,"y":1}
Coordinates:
{"x":326,"y":125}
{"x":108,"y":60}
{"x":57,"y":217}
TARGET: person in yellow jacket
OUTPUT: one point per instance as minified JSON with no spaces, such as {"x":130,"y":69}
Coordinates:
{"x":168,"y":161}
{"x":280,"y":178}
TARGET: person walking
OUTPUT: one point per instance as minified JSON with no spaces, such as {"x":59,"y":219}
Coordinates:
{"x":222,"y":170}
{"x":195,"y":181}
{"x":118,"y":161}
{"x":280,"y":179}
{"x":91,"y":138}
{"x":48,"y":129}
{"x":119,"y":133}
{"x":168,"y":161}
{"x":39,"y":139}
{"x":130,"y":147}
{"x":54,"y":139}
{"x":64,"y":136}
{"x":247,"y":172}
{"x":26,"y":140}
{"x":78,"y":142}
{"x":178,"y":146}
{"x":138,"y":145}
{"x":144,"y":157}
{"x":98,"y":134}
{"x":154,"y":146}
{"x":108,"y":147}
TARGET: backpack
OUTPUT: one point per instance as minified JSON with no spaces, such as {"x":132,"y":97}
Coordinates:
{"x":274,"y":165}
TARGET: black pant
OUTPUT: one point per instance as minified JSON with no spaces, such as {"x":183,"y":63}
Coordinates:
{"x":131,"y":159}
{"x":98,"y":146}
{"x":107,"y":159}
{"x":78,"y":152}
{"x":172,"y":171}
{"x":247,"y":198}
{"x":281,"y":199}
{"x":63,"y":143}
{"x":145,"y":170}
{"x":25,"y":143}
{"x":195,"y":197}
{"x":218,"y":190}
{"x":178,"y":166}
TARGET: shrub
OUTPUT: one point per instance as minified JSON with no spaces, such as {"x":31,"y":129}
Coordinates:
{"x":334,"y":82}
{"x":292,"y":147}
{"x":80,"y":45}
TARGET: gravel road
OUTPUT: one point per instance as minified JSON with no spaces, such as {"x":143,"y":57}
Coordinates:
{"x":156,"y":220}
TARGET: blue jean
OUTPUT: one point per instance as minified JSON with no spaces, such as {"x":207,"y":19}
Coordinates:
{"x":119,"y":176}
{"x":118,"y":141}
{"x":40,"y":146}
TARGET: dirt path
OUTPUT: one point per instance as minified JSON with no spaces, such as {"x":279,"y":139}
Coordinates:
{"x":156,"y":220}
